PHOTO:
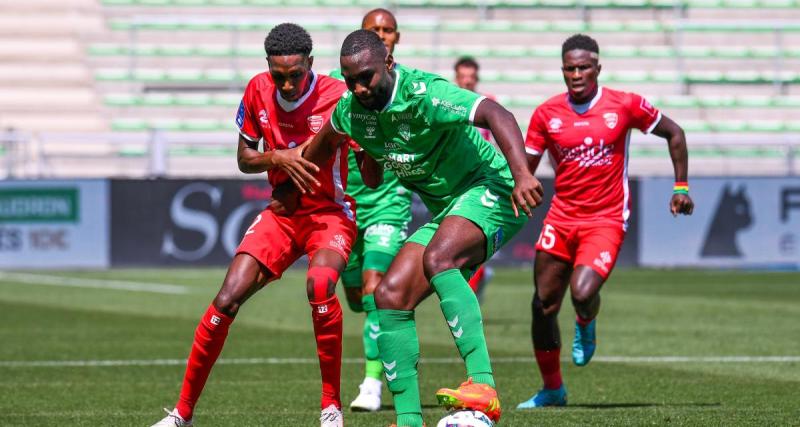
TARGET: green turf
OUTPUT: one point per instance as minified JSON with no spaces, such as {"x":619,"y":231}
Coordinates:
{"x":645,"y":313}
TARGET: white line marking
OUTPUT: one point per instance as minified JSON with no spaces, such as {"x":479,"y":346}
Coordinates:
{"x":74,"y":282}
{"x":433,"y":360}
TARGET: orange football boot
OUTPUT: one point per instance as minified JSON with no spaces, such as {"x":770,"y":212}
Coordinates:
{"x":471,"y":396}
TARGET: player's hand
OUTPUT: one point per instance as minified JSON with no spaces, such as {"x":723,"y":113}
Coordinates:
{"x":300,"y":170}
{"x":681,"y":204}
{"x":285,"y":199}
{"x":528,"y":194}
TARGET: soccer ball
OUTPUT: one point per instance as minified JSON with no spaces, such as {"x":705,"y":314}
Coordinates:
{"x":465,"y":419}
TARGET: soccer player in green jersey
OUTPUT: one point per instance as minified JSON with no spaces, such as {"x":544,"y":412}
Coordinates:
{"x":382,"y":216}
{"x":421,"y":127}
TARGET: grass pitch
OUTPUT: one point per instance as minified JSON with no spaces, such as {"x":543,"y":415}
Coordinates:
{"x":674,"y":348}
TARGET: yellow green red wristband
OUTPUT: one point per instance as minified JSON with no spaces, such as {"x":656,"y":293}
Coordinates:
{"x":681,"y":187}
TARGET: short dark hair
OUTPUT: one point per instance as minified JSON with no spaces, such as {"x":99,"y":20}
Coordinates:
{"x":288,"y":39}
{"x":466,"y":61}
{"x":582,"y":42}
{"x":361,"y":40}
{"x":379,"y":10}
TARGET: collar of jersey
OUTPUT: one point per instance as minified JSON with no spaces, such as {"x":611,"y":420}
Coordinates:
{"x":592,"y":103}
{"x":290,"y":106}
{"x":394,"y":91}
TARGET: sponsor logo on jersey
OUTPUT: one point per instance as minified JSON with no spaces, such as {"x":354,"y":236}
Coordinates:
{"x":611,"y":120}
{"x":240,"y":115}
{"x":286,"y":125}
{"x":647,"y":108}
{"x":404,"y":129}
{"x":370,"y":132}
{"x":315,"y":123}
{"x":263,"y":117}
{"x":444,"y":104}
{"x":401,"y":116}
{"x":587,"y":154}
{"x":580,"y":124}
{"x":555,"y":125}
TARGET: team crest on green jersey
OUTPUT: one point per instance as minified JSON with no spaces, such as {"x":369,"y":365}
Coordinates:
{"x":404,"y":129}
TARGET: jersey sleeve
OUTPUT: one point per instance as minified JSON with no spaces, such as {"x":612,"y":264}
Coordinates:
{"x":340,"y":118}
{"x":644,"y":116}
{"x":246,"y":118}
{"x":535,"y":142}
{"x":445,"y":104}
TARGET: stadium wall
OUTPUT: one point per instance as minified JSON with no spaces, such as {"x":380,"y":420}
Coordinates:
{"x":738,"y":222}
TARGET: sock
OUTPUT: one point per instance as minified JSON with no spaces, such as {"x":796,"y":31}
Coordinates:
{"x":475,"y":280}
{"x":583,"y":322}
{"x":550,"y":367}
{"x":373,"y":368}
{"x":209,"y":337}
{"x":399,"y":351}
{"x":460,"y":308}
{"x":327,"y":317}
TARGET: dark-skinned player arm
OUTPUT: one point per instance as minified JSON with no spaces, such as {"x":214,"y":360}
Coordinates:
{"x":371,"y":171}
{"x":300,"y":170}
{"x":666,"y":128}
{"x":528,"y":191}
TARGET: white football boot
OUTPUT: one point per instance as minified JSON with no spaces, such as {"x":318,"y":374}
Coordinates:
{"x":331,"y":417}
{"x":369,"y":397}
{"x":173,"y":419}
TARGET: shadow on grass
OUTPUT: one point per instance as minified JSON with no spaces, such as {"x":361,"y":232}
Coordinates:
{"x":640,"y":405}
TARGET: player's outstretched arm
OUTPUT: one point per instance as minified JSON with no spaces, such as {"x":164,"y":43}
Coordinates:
{"x":371,"y":170}
{"x":291,"y":161}
{"x":676,"y":140}
{"x":528,"y":192}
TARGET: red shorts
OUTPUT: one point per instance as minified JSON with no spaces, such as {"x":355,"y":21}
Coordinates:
{"x":278,"y":241}
{"x":582,"y":243}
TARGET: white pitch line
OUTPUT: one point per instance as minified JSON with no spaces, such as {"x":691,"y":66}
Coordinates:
{"x":74,"y":282}
{"x":434,"y":360}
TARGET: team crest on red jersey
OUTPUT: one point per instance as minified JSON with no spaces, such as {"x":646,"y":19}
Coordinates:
{"x":315,"y":123}
{"x":610,"y":119}
{"x":647,"y":108}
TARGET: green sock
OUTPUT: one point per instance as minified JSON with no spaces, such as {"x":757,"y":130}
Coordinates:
{"x":373,"y":368}
{"x":399,"y":352}
{"x":463,"y":316}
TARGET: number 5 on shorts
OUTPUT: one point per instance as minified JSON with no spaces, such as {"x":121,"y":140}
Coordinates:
{"x":547,"y":238}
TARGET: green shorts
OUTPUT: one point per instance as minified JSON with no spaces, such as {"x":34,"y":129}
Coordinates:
{"x":489,"y":207}
{"x":374,"y":249}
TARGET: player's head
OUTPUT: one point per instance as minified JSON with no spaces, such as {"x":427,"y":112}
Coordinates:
{"x":580,"y":63}
{"x":288,"y":48}
{"x":466,"y":69}
{"x":384,"y":24}
{"x":366,"y":68}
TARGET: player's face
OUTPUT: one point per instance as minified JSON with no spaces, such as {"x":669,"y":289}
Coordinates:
{"x":467,"y":78}
{"x":291,"y":74}
{"x":369,"y":77}
{"x":580,"y":68}
{"x":385,"y":26}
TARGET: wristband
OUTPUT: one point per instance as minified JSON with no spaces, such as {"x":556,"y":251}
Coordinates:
{"x":681,"y":187}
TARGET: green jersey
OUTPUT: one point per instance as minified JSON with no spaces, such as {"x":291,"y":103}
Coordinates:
{"x":425,"y":136}
{"x":390,"y":203}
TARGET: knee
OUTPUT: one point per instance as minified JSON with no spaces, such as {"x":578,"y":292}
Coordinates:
{"x":227,"y":302}
{"x":392,"y":295}
{"x":545,"y":305}
{"x":321,"y":283}
{"x":435,"y":261}
{"x":583,"y":296}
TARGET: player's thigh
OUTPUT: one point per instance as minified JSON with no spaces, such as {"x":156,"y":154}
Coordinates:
{"x":404,"y":285}
{"x":244,"y":278}
{"x":457,"y":244}
{"x":551,"y":276}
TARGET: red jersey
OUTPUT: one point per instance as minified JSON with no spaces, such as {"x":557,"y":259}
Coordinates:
{"x":263,"y":113}
{"x":590,"y":152}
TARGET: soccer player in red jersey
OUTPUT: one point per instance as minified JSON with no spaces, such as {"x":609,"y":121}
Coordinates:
{"x":586,"y":133}
{"x":284,"y":107}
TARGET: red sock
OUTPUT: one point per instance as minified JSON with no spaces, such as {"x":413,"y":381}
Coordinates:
{"x":209,"y":337}
{"x":583,"y":322}
{"x":327,"y":317}
{"x":550,"y":367}
{"x":476,"y":278}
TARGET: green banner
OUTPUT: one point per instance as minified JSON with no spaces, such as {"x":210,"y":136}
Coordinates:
{"x":39,"y":205}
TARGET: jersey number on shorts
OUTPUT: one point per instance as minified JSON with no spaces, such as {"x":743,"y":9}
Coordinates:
{"x":548,"y":237}
{"x":253,"y":225}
